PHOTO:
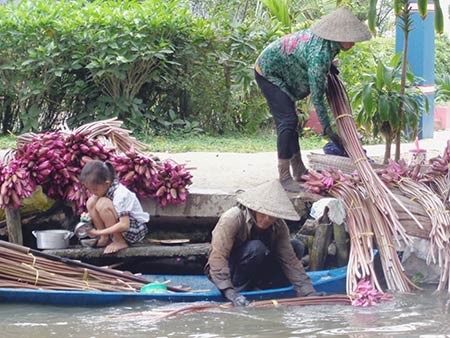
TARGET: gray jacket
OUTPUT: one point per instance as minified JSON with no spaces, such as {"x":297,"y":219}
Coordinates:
{"x":235,"y":227}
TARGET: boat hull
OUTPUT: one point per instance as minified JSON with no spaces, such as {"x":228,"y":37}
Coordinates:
{"x":329,"y":281}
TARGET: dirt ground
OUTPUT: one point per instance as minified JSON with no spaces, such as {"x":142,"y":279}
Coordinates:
{"x":229,"y":172}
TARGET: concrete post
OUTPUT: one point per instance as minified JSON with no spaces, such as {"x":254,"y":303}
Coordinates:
{"x":421,"y":58}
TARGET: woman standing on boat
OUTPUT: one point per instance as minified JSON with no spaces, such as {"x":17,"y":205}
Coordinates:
{"x":251,"y":246}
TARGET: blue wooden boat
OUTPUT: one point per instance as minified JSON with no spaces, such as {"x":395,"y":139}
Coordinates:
{"x":330,"y":281}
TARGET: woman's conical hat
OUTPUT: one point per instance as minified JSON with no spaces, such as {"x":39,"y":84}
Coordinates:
{"x":270,"y":199}
{"x":341,"y":25}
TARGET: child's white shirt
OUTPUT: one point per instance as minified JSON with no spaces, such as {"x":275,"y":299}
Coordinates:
{"x":126,"y":203}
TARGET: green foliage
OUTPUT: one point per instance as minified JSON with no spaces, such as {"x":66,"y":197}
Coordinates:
{"x":91,"y":60}
{"x":377,"y":102}
{"x":351,"y":66}
{"x":7,"y":141}
{"x":439,"y":15}
{"x":163,"y":67}
{"x":151,"y":63}
{"x":227,"y":87}
{"x":442,"y":68}
{"x":443,"y":88}
{"x":406,"y":20}
{"x":280,"y":9}
{"x":398,"y":5}
{"x":260,"y":142}
{"x":401,"y":7}
{"x":422,"y":6}
{"x":372,"y":15}
{"x":442,"y":56}
{"x":295,"y":15}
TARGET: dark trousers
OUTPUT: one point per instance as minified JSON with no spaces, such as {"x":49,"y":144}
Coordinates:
{"x":283,"y":111}
{"x":252,"y":265}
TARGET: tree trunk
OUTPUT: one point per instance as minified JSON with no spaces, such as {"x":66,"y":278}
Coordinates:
{"x":227,"y":95}
{"x":387,"y":149}
{"x":14,"y":225}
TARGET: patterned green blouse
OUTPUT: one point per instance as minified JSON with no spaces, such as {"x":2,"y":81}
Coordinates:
{"x":298,"y":63}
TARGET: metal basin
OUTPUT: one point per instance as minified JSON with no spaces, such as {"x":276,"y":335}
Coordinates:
{"x":52,"y":239}
{"x":89,"y":242}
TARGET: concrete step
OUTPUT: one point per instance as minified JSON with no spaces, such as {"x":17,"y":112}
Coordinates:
{"x":202,"y":207}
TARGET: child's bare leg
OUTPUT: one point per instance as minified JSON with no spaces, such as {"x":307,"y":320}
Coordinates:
{"x":107,"y":213}
{"x":97,"y":220}
{"x":117,"y":244}
{"x":109,"y":217}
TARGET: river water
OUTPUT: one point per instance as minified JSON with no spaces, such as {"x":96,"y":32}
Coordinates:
{"x":420,"y":314}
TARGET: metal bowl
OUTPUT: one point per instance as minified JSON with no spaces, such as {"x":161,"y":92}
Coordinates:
{"x":81,"y":229}
{"x":89,"y":242}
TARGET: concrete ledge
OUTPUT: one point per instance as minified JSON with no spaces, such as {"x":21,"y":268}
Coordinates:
{"x":202,"y":206}
{"x":141,"y":250}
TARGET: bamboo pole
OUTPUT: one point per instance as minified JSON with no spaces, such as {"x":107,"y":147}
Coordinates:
{"x":159,"y":314}
{"x":105,"y":271}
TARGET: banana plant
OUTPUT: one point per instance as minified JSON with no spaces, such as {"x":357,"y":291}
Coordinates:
{"x":402,"y":10}
{"x":300,"y":13}
{"x":280,"y":10}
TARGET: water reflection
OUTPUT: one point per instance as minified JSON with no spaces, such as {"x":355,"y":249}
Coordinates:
{"x":409,"y":315}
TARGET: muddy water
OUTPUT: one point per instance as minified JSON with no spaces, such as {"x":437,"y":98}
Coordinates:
{"x":408,"y":315}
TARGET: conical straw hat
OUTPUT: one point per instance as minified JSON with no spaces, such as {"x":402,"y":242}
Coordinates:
{"x":270,"y":199}
{"x":341,"y":25}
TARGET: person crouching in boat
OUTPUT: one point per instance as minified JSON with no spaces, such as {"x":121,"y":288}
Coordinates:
{"x":251,"y":246}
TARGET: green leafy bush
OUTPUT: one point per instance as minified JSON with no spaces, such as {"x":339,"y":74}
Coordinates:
{"x":442,"y":68}
{"x":442,"y":57}
{"x":152,"y":63}
{"x":362,"y":59}
{"x":92,"y":60}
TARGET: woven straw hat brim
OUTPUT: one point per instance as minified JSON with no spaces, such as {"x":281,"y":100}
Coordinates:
{"x":270,"y":199}
{"x":341,"y":25}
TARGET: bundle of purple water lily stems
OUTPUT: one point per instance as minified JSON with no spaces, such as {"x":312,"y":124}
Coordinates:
{"x":53,"y":160}
{"x":366,"y":295}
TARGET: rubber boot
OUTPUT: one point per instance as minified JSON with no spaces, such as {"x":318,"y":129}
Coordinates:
{"x":286,"y":179}
{"x":298,"y":168}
